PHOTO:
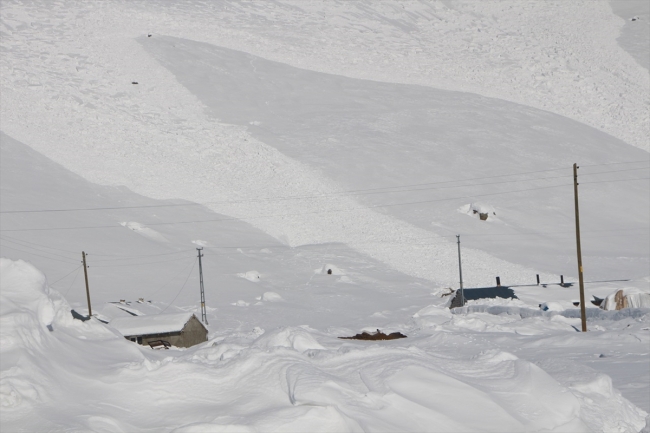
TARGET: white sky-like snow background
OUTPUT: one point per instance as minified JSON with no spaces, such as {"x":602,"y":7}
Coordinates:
{"x":314,"y":135}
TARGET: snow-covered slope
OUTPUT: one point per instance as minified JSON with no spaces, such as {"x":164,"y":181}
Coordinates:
{"x":561,"y":56}
{"x":289,"y":379}
{"x":291,"y":138}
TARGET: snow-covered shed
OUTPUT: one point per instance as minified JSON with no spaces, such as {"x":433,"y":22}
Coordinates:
{"x":179,"y":329}
{"x":626,"y":298}
{"x":482,"y":293}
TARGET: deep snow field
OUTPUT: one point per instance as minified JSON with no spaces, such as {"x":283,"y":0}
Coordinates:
{"x":290,"y":137}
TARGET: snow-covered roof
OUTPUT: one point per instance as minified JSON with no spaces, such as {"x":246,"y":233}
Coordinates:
{"x":151,"y":324}
{"x":113,"y":310}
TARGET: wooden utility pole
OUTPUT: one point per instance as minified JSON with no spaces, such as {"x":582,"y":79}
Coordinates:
{"x":583,"y":313}
{"x":90,"y":311}
{"x":460,"y":274}
{"x":204,"y":315}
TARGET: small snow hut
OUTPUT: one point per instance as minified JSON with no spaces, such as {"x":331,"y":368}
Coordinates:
{"x":179,"y":329}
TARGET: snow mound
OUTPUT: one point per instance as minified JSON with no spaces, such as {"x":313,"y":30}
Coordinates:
{"x":145,"y":231}
{"x":214,"y":428}
{"x":298,"y":339}
{"x":551,"y":306}
{"x":253,"y":276}
{"x":271,"y":297}
{"x":329,"y":269}
{"x":479,"y":210}
{"x":433,"y":310}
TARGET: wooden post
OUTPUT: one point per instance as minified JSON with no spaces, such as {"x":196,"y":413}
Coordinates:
{"x":460,"y":275}
{"x":583,"y":313}
{"x":537,"y":279}
{"x":498,"y":281}
{"x":90,"y":311}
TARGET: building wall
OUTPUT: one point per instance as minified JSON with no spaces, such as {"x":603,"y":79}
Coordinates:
{"x":192,"y":333}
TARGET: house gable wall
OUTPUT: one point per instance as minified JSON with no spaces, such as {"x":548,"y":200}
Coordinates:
{"x":193,"y":333}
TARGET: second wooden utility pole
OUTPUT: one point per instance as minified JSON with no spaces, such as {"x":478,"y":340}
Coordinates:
{"x":583,"y":313}
{"x":460,"y":274}
{"x":90,"y":311}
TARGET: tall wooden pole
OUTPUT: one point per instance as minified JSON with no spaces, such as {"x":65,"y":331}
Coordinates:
{"x":460,"y":274}
{"x":90,"y":311}
{"x":583,"y":313}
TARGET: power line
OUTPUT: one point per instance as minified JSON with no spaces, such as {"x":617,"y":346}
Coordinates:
{"x":78,"y":267}
{"x":289,"y":215}
{"x":615,"y":171}
{"x":39,"y":255}
{"x":181,"y":290}
{"x":616,"y":163}
{"x":379,"y":190}
{"x":117,"y":257}
{"x":73,"y":280}
{"x":616,"y":180}
{"x":316,"y":212}
{"x":172,"y":279}
{"x":135,"y":264}
{"x":22,"y":244}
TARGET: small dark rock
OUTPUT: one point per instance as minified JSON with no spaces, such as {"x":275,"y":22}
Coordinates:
{"x":134,"y":82}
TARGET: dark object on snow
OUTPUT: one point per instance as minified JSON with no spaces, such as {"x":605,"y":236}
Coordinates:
{"x":483,"y":216}
{"x":597,"y":301}
{"x":149,"y":35}
{"x":576,"y":303}
{"x":157,"y":344}
{"x":482,"y":293}
{"x":329,"y":272}
{"x":134,"y":82}
{"x":376,"y":336}
{"x":79,"y":316}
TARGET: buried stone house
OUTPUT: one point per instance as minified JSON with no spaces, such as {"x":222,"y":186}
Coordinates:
{"x":178,"y":329}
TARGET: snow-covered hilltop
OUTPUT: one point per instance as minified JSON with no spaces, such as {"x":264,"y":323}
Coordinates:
{"x":324,"y":155}
{"x":558,"y":56}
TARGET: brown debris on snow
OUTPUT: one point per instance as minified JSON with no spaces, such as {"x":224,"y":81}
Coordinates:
{"x":375,"y":336}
